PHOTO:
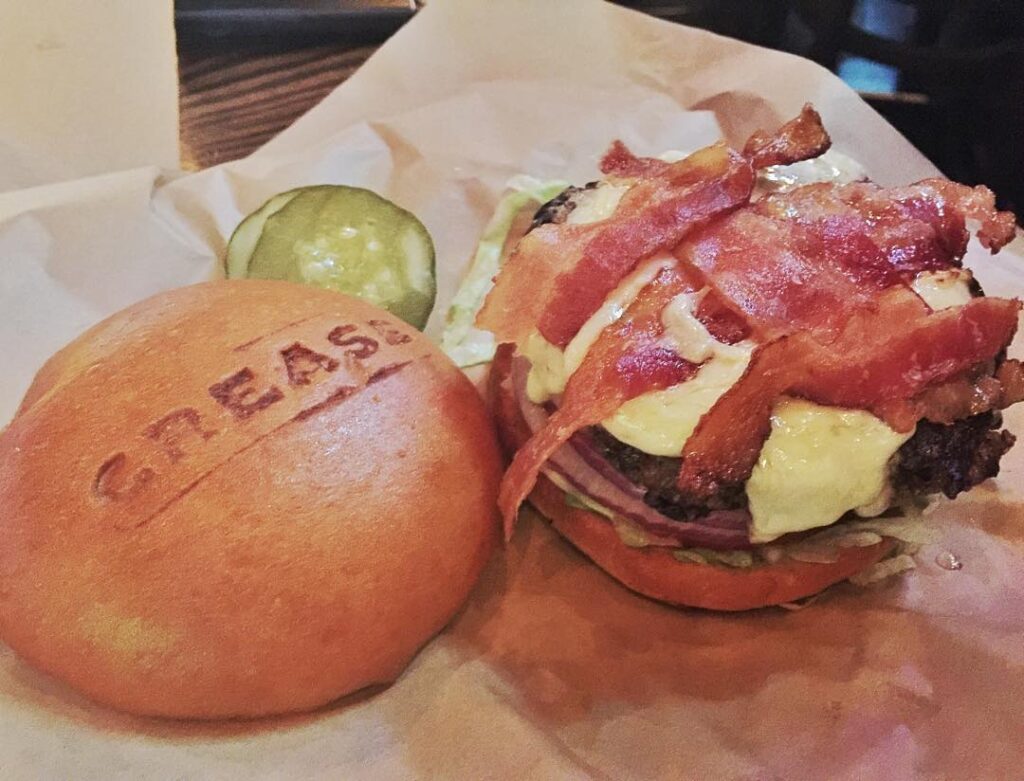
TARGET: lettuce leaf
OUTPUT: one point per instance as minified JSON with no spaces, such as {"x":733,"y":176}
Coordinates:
{"x":905,"y":523}
{"x":465,"y":344}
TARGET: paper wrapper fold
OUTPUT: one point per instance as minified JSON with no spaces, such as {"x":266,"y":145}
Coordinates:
{"x":85,"y":88}
{"x":552,"y":670}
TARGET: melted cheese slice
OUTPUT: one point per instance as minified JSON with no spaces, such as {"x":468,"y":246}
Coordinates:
{"x":943,"y":289}
{"x":660,"y":422}
{"x":817,"y":464}
{"x":832,"y":167}
{"x":597,"y":203}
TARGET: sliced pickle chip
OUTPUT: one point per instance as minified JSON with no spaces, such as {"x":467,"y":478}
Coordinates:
{"x":247,"y":234}
{"x":341,"y":238}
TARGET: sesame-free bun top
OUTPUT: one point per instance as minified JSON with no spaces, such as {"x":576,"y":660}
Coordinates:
{"x":241,"y":498}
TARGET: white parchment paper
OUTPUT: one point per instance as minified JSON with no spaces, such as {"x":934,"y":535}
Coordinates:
{"x":85,"y":88}
{"x":552,"y":670}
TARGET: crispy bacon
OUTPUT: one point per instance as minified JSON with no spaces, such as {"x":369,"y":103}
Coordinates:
{"x":802,"y":138}
{"x":945,"y":403}
{"x":972,"y":393}
{"x":919,"y":227}
{"x":620,"y":162}
{"x":724,"y":447}
{"x":718,"y":316}
{"x":781,"y":277}
{"x":891,"y":354}
{"x":560,"y":274}
{"x":1010,"y":375}
{"x":810,"y":258}
{"x":799,"y":139}
{"x":882,"y":238}
{"x":626,"y":361}
{"x":997,"y":228}
{"x":706,"y":184}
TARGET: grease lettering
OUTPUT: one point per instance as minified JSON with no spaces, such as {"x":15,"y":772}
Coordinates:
{"x":112,"y":482}
{"x":173,"y":429}
{"x":391,"y":334}
{"x":302,"y":363}
{"x":358,"y":346}
{"x":178,"y":432}
{"x":234,"y":394}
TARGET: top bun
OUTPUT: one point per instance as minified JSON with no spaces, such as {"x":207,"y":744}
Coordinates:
{"x":241,"y":498}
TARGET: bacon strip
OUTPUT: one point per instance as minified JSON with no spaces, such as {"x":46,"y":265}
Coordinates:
{"x":626,"y":361}
{"x":975,"y":203}
{"x":881,"y":239}
{"x":919,"y":227}
{"x":560,"y":274}
{"x":799,"y":139}
{"x":725,"y":445}
{"x":889,"y":356}
{"x":802,"y":138}
{"x":620,"y":162}
{"x":972,"y":393}
{"x":781,"y":277}
{"x":707,"y":183}
{"x":1010,"y":375}
{"x":883,"y":356}
{"x":809,"y":259}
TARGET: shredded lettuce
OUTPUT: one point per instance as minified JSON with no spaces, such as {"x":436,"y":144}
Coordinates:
{"x":579,"y":501}
{"x":886,"y":568}
{"x":908,"y":528}
{"x":738,"y":559}
{"x":465,"y":344}
{"x":630,"y":535}
{"x":824,"y":546}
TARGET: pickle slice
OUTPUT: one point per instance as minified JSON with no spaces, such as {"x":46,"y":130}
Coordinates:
{"x":351,"y":240}
{"x":247,"y":234}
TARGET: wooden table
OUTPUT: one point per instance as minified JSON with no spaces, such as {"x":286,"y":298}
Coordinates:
{"x":234,"y":100}
{"x":236,"y":95}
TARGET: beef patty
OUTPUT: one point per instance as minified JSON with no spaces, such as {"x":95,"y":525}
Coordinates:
{"x":937,"y":459}
{"x":954,"y":458}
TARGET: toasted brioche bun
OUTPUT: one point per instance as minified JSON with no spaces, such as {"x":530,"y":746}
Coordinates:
{"x":241,"y":498}
{"x":655,"y":572}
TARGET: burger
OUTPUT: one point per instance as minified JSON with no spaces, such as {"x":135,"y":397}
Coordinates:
{"x":731,"y":391}
{"x":241,"y":498}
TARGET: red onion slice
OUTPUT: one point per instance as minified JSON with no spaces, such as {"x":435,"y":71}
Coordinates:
{"x":583,"y":444}
{"x":718,"y":530}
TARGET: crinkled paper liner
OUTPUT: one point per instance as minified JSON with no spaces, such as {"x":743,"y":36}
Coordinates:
{"x":552,"y":670}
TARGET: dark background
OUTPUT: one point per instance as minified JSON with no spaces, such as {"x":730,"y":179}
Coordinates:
{"x":949,"y":74}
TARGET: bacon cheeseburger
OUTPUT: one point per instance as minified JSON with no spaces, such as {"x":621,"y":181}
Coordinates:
{"x":241,"y":498}
{"x":730,"y":401}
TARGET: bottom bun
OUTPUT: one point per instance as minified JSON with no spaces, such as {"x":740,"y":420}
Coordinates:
{"x":655,"y":572}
